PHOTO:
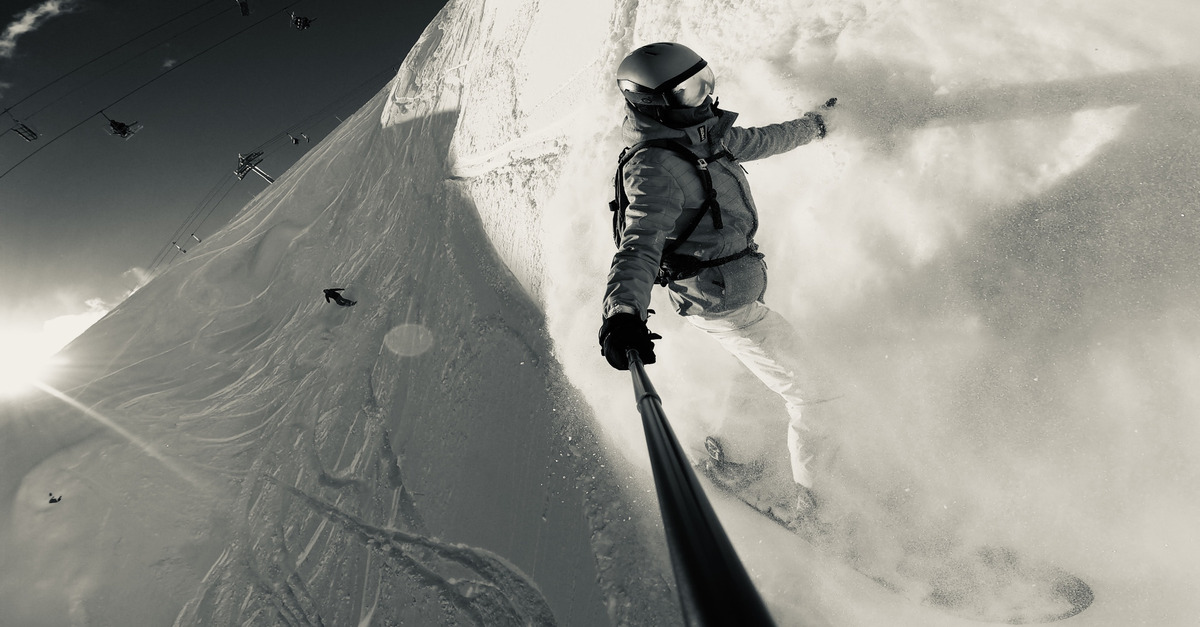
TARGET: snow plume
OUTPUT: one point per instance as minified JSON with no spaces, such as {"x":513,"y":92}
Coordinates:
{"x":988,"y":254}
{"x":29,"y":21}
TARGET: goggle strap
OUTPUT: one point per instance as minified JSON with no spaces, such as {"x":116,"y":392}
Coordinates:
{"x":671,"y":84}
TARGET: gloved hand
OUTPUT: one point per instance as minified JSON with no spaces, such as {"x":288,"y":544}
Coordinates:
{"x":623,"y":331}
{"x":822,"y":117}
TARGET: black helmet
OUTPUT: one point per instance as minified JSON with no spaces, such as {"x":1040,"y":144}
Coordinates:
{"x":665,"y":75}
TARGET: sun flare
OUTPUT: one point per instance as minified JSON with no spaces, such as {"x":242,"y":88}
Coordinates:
{"x":29,"y":358}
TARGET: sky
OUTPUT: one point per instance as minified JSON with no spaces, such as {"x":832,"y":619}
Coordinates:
{"x":87,"y":219}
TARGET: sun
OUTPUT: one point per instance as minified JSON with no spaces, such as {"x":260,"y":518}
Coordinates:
{"x":28,"y":359}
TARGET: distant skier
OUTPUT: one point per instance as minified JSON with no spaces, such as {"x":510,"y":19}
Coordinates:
{"x":54,"y":499}
{"x":332,"y":294}
{"x":689,"y":224}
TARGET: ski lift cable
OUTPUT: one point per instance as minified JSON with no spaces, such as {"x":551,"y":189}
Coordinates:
{"x":227,"y":183}
{"x":47,"y":144}
{"x":180,"y":230}
{"x":391,"y":69}
{"x":229,"y":188}
{"x":143,"y":86}
{"x":192,"y":217}
{"x":189,"y":219}
{"x":129,"y":60}
{"x":323,"y":111}
{"x":214,"y":206}
{"x":195,"y":221}
{"x":171,"y":252}
{"x":95,"y":59}
{"x":198,"y":54}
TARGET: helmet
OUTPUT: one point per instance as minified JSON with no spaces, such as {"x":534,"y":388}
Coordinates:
{"x":665,"y":75}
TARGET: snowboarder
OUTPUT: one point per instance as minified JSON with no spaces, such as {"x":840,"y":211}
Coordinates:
{"x":54,"y":499}
{"x":689,"y":224}
{"x":332,"y":294}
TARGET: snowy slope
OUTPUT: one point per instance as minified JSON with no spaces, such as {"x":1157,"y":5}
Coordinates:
{"x":993,"y":255}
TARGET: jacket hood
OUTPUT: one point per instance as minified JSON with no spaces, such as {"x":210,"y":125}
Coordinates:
{"x":639,"y":127}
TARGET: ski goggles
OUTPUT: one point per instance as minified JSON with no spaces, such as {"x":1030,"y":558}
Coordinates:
{"x":688,"y":89}
{"x":692,"y":91}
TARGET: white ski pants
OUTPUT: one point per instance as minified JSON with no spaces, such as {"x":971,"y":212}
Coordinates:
{"x":769,"y":347}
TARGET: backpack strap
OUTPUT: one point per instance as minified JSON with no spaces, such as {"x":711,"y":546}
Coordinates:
{"x":709,"y":206}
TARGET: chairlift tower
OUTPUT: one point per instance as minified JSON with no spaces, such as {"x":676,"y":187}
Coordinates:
{"x":249,"y":163}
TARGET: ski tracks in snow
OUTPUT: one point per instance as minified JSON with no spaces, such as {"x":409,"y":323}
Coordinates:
{"x":498,"y":594}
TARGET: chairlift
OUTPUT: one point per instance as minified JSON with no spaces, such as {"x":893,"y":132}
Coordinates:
{"x":195,"y":238}
{"x":244,"y":6}
{"x":120,"y":129}
{"x":26,"y":133}
{"x":299,"y":22}
{"x":24,"y":130}
{"x":181,"y":249}
{"x":296,"y":140}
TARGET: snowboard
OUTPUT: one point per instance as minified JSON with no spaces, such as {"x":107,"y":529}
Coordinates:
{"x":983,"y":583}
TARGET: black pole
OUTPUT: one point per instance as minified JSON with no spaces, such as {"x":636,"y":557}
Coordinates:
{"x":714,"y":588}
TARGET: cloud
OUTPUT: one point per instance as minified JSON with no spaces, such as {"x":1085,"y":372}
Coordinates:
{"x":140,"y":276}
{"x":60,"y":331}
{"x":28,"y":22}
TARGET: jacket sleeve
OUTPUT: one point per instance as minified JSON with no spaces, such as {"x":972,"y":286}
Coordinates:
{"x":748,"y":144}
{"x":655,"y":203}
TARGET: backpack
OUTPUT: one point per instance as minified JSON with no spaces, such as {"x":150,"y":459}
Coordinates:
{"x":674,"y":267}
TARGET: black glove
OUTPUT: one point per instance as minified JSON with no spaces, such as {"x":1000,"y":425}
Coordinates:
{"x":621,"y":332}
{"x":819,"y":119}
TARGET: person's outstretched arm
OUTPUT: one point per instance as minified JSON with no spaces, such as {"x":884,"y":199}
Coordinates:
{"x":748,"y":144}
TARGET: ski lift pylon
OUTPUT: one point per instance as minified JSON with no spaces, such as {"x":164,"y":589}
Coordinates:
{"x":249,"y":163}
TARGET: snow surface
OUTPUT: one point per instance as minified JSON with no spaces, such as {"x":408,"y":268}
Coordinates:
{"x":993,"y":255}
